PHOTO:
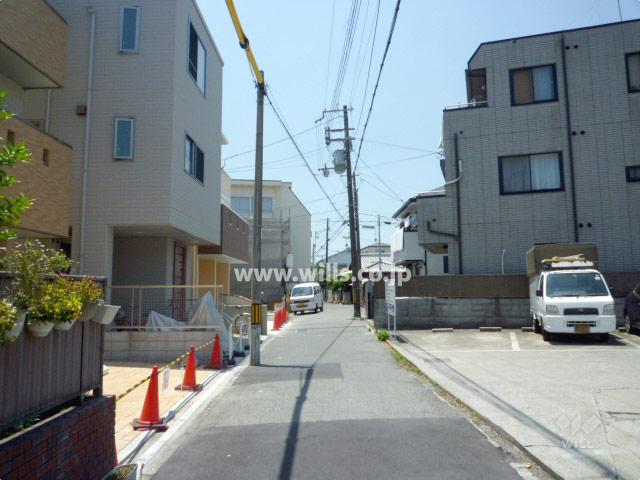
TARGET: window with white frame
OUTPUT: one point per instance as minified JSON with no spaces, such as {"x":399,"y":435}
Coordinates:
{"x":129,"y":29}
{"x":197,"y":61}
{"x":533,"y":85}
{"x":531,"y":173}
{"x":193,"y":159}
{"x":123,"y":138}
{"x":633,"y":71}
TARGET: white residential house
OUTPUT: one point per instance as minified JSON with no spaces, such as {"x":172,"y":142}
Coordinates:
{"x":286,"y":231}
{"x":406,"y":250}
{"x":144,"y":83}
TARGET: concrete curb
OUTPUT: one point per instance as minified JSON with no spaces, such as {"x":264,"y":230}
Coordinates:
{"x":414,"y":361}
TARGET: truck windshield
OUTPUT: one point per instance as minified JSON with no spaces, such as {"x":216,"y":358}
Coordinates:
{"x":301,"y":291}
{"x":587,"y":284}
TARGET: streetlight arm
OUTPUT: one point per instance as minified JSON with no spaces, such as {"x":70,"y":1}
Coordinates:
{"x":244,"y":42}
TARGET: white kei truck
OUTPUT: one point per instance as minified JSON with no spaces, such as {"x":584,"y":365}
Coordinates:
{"x":567,"y":293}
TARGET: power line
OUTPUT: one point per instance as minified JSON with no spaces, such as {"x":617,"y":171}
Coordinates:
{"x":377,"y":142}
{"x":286,"y":129}
{"x":373,"y":45}
{"x":326,"y":82}
{"x":246,"y":152}
{"x":357,"y":70}
{"x":375,"y":88}
{"x":346,"y":51}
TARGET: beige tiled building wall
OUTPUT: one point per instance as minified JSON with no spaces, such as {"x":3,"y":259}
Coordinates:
{"x":38,"y":34}
{"x":46,"y":180}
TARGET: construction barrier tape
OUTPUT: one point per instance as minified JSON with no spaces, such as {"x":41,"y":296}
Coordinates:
{"x":168,"y":365}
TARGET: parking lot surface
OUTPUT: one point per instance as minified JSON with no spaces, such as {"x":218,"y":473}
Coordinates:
{"x":573,"y":403}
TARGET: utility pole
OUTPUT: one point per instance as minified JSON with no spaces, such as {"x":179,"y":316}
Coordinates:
{"x":326,"y":257}
{"x":256,"y":327}
{"x":353,"y":212}
{"x":256,"y":301}
{"x":355,"y":253}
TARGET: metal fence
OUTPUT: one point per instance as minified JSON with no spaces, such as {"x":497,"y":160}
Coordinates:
{"x":177,"y":302}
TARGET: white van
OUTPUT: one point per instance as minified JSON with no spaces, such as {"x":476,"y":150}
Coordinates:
{"x":306,"y":297}
{"x":570,"y":296}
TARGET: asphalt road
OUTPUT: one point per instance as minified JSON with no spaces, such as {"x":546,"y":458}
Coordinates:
{"x":329,"y":402}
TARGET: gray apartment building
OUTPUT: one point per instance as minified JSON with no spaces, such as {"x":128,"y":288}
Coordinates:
{"x":546,"y":150}
{"x":141,"y":107}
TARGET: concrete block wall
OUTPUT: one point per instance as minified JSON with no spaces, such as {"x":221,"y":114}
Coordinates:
{"x":158,"y":347}
{"x":424,"y":313}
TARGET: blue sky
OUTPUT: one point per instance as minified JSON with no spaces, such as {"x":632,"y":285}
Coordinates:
{"x":424,"y":72}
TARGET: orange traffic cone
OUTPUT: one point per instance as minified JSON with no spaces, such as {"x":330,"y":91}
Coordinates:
{"x":276,"y":320}
{"x":150,"y":416}
{"x":285,"y":314}
{"x":189,"y":380}
{"x":216,"y":355}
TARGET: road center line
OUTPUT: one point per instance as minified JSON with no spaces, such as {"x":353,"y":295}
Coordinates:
{"x":515,"y":345}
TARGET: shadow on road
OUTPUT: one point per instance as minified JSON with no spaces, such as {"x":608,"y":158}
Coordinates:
{"x":286,"y":465}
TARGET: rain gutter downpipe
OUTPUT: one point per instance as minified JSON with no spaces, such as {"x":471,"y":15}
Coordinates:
{"x":565,"y":82}
{"x":87,"y":139}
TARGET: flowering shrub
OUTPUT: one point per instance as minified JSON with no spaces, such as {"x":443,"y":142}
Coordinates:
{"x":58,"y":303}
{"x":87,"y":289}
{"x":8,"y":317}
{"x":32,"y":264}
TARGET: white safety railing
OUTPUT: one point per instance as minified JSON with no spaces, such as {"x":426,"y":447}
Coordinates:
{"x":175,"y":302}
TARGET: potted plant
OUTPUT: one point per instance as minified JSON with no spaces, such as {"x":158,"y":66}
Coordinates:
{"x":11,"y":321}
{"x":59,"y":306}
{"x":105,"y":313}
{"x":33,"y":265}
{"x":90,"y":295}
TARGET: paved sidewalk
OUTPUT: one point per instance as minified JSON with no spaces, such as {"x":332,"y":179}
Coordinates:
{"x":121,"y":376}
{"x":329,"y":402}
{"x":574,"y":403}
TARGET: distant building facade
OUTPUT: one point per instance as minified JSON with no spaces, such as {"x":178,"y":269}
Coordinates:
{"x":286,"y":231}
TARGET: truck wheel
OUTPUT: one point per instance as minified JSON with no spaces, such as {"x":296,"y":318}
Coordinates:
{"x":546,"y":336}
{"x":536,"y":325}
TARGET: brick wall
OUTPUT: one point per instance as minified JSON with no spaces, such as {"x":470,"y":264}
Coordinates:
{"x":78,"y":443}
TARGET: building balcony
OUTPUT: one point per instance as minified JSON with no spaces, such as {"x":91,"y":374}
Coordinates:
{"x":33,"y":40}
{"x":234,"y":239}
{"x":46,"y":179}
{"x":405,"y":247}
